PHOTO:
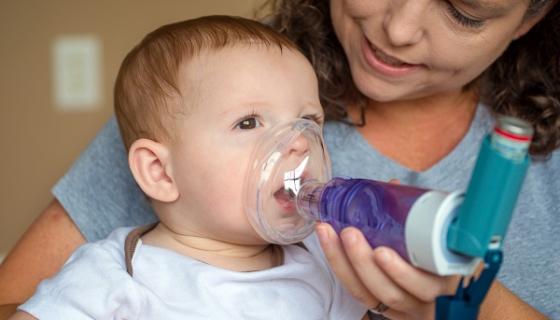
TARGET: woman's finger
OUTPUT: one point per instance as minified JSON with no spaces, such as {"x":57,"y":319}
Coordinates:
{"x":377,"y":282}
{"x":423,"y":285}
{"x":341,"y":266}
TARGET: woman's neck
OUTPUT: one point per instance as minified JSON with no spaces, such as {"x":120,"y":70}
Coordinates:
{"x":218,"y":253}
{"x":418,"y":133}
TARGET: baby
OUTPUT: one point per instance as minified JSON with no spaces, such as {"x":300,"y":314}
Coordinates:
{"x":192,"y":101}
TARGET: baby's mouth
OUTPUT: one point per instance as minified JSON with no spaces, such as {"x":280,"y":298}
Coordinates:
{"x":285,"y":199}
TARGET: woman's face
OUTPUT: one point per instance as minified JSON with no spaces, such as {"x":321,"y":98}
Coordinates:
{"x":407,"y":49}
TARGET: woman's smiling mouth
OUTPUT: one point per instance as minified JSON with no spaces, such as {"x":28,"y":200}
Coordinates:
{"x":384,"y":63}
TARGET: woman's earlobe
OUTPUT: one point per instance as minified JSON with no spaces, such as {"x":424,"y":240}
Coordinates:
{"x":531,"y":21}
{"x":149,"y":162}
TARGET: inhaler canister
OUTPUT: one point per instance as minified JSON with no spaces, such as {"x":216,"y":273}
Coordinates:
{"x":492,"y":193}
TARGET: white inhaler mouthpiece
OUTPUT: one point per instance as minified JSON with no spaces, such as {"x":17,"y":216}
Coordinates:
{"x":287,"y":157}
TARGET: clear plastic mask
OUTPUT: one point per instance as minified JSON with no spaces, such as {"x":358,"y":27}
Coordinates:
{"x":286,"y":157}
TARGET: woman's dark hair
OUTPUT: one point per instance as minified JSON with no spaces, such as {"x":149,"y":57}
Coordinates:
{"x":523,"y":82}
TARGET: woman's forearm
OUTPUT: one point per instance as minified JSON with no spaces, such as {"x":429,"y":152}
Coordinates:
{"x":40,"y":253}
{"x":501,"y":303}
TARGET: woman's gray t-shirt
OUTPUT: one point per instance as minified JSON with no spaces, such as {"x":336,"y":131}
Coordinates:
{"x":100,"y":195}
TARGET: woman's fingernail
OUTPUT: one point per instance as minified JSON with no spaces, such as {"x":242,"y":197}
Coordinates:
{"x":384,"y":256}
{"x":349,"y":237}
{"x":323,"y":234}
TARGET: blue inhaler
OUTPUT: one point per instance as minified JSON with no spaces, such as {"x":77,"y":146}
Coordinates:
{"x":441,"y":232}
{"x":483,"y":218}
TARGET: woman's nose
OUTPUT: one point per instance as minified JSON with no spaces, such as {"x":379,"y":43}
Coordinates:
{"x":403,"y":22}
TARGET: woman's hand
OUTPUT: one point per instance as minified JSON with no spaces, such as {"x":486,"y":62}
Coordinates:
{"x":380,"y":275}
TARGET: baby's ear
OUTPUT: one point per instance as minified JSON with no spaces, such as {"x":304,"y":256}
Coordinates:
{"x":149,"y":162}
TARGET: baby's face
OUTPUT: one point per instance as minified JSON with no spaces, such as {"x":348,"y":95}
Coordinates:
{"x":231,"y":98}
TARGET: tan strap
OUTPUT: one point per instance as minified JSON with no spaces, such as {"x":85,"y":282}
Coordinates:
{"x":277,"y":255}
{"x":131,"y":242}
{"x":301,"y":245}
{"x":133,"y":236}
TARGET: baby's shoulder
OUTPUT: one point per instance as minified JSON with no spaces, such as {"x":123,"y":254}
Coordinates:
{"x":107,"y":253}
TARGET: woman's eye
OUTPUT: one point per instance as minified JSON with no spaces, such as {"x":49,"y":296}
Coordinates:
{"x":463,"y":19}
{"x":248,"y":123}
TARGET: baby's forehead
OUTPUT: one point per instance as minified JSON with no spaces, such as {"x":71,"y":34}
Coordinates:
{"x":235,"y":62}
{"x":245,"y":75}
{"x":231,"y":51}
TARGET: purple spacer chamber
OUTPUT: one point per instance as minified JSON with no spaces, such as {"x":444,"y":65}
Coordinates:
{"x":377,"y":208}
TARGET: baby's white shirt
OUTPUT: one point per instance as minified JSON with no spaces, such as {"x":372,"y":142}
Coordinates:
{"x":94,"y":284}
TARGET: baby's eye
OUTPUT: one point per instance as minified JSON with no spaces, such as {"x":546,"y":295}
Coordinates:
{"x":248,"y":123}
{"x":319,"y":119}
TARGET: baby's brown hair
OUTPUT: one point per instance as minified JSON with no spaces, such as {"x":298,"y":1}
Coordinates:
{"x":146,"y":95}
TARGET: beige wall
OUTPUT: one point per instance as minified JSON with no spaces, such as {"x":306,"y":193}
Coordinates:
{"x":38,"y":142}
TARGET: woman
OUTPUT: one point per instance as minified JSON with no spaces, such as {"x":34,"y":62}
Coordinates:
{"x":401,"y":83}
{"x":414,"y":76}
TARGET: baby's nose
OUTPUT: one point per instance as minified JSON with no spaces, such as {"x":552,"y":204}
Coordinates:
{"x":299,"y":145}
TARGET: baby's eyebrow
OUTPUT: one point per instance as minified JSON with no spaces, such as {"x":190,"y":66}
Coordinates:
{"x":245,"y":105}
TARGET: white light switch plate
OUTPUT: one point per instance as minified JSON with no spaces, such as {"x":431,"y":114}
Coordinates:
{"x":77,"y":72}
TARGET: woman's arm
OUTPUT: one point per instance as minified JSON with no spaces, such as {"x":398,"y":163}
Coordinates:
{"x":381,"y":275}
{"x":41,"y":251}
{"x":20,"y":315}
{"x":500,"y":303}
